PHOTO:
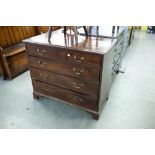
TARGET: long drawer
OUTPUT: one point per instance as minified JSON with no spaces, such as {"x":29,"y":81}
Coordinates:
{"x":69,"y":69}
{"x":65,"y":95}
{"x":62,"y":54}
{"x":65,"y":82}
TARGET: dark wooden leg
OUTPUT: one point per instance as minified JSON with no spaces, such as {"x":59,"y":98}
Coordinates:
{"x":96,"y":116}
{"x":35,"y":96}
{"x":117,"y":29}
{"x":65,"y":29}
{"x":85,"y":30}
{"x":4,"y":77}
{"x":49,"y":33}
{"x":76,"y":35}
{"x":113,"y":29}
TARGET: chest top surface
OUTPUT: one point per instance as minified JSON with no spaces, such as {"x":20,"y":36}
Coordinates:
{"x":89,"y":44}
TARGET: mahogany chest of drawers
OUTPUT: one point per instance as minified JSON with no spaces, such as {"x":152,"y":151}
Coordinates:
{"x":77,"y":74}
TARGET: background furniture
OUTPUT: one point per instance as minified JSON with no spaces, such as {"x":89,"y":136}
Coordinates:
{"x":113,"y":32}
{"x":12,"y":52}
{"x":151,"y":29}
{"x":79,"y":75}
{"x":73,"y":28}
{"x":13,"y":55}
{"x":131,"y":34}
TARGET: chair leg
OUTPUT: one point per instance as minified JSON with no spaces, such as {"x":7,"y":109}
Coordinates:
{"x":85,"y":30}
{"x":49,"y":33}
{"x":65,"y":29}
{"x":4,"y":66}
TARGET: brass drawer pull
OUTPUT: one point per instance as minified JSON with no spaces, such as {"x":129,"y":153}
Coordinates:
{"x":78,"y":71}
{"x":43,"y":76}
{"x":42,"y":64}
{"x":41,"y":52}
{"x":78,"y":98}
{"x":78,"y":85}
{"x":79,"y":59}
{"x":45,"y":88}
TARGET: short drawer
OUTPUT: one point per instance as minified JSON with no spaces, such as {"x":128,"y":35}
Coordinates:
{"x":65,"y":82}
{"x":63,"y":54}
{"x":115,"y":70}
{"x":116,"y":58}
{"x":120,"y":36}
{"x":118,"y":49}
{"x":69,"y":69}
{"x":65,"y":95}
{"x":116,"y":66}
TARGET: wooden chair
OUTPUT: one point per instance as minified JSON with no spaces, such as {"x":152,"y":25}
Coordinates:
{"x":72,"y":28}
{"x":13,"y":56}
{"x":12,"y":51}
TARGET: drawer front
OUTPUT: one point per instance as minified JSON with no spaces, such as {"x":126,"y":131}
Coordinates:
{"x":69,"y":69}
{"x":116,"y":65}
{"x":115,"y":68}
{"x":118,"y":47}
{"x":65,"y":82}
{"x":65,"y":95}
{"x":63,"y":54}
{"x":120,"y":36}
{"x":116,"y":58}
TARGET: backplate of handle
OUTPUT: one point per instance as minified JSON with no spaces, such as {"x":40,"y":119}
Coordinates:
{"x":43,"y":75}
{"x":41,"y":52}
{"x":78,"y":85}
{"x":45,"y":88}
{"x":78,"y":71}
{"x":78,"y":98}
{"x":80,"y":59}
{"x":42,"y":63}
